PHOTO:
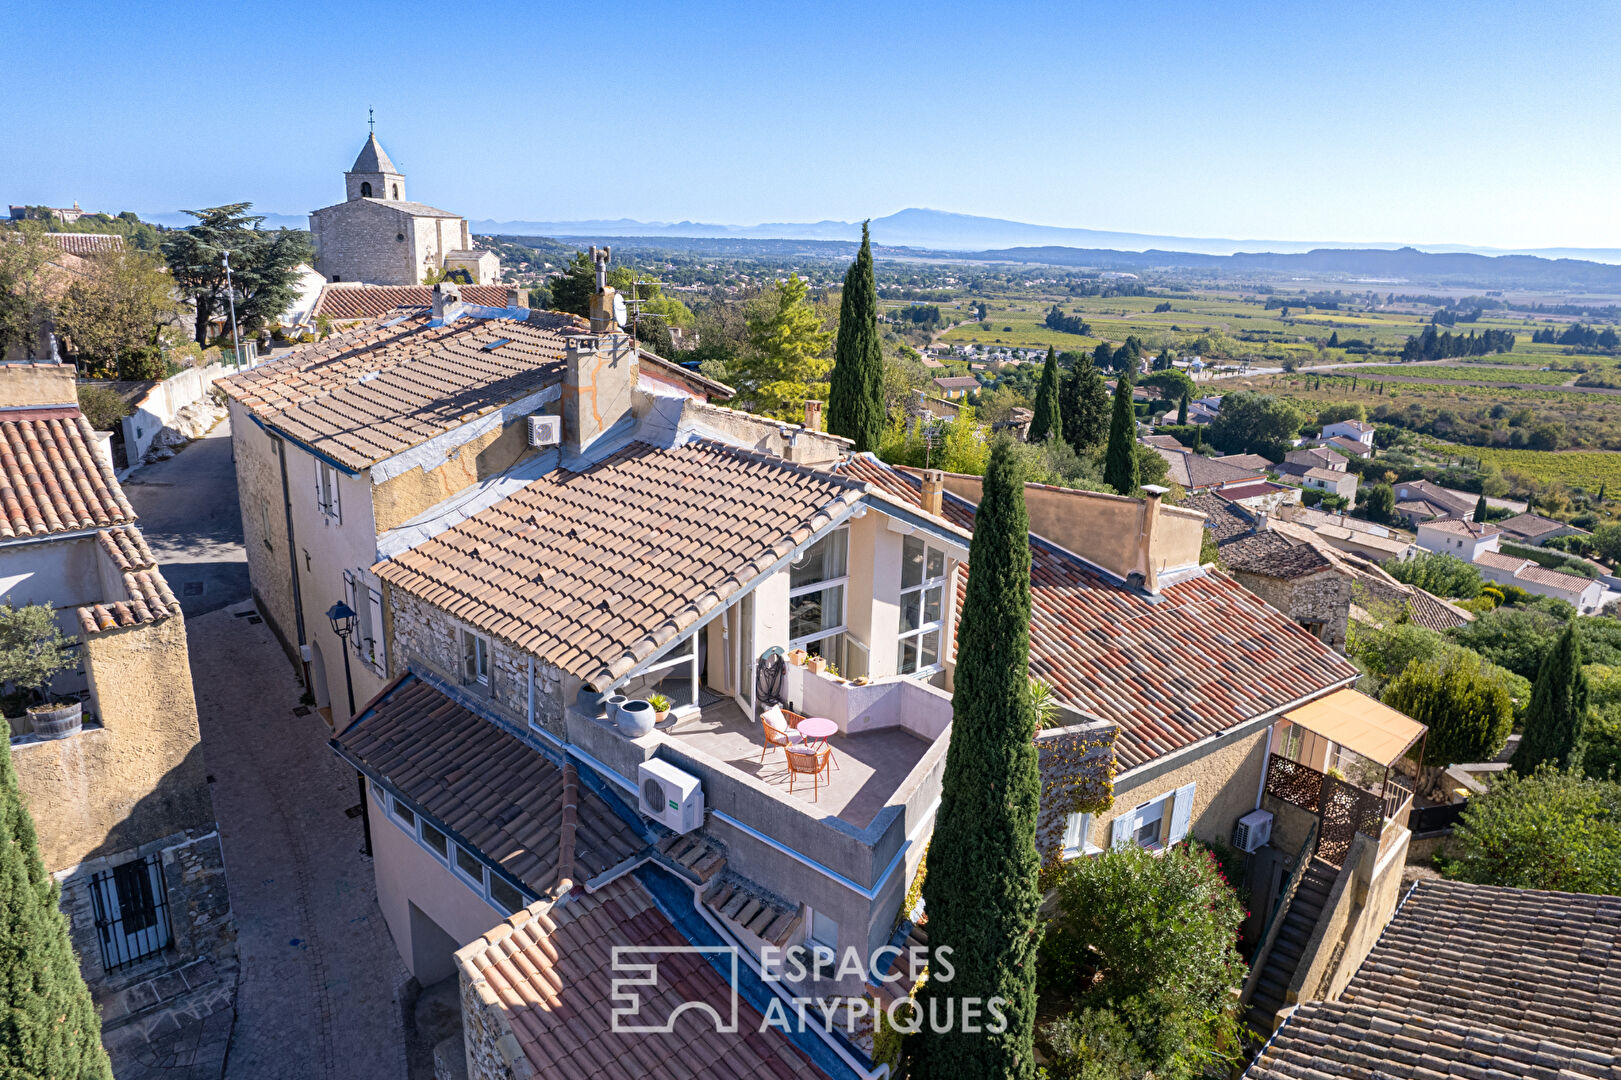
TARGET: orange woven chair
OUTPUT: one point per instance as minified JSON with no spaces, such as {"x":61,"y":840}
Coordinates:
{"x":802,"y":760}
{"x":775,"y":736}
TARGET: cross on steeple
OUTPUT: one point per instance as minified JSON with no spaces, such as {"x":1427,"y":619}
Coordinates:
{"x":371,"y":121}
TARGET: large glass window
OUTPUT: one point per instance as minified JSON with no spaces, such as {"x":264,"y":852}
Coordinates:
{"x":923,"y":605}
{"x":475,"y":659}
{"x":816,"y":585}
{"x":674,"y":675}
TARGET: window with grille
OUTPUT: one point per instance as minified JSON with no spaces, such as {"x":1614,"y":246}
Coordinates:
{"x":132,"y":912}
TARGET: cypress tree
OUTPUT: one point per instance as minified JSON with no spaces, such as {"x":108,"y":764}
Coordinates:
{"x":1120,"y":463}
{"x":49,"y":1026}
{"x":1103,"y":356}
{"x":981,"y":892}
{"x":855,"y":396}
{"x":1198,"y":439}
{"x":1049,"y":414}
{"x":1480,"y":510}
{"x":1182,"y":410}
{"x":1556,"y":719}
{"x":1601,"y":493}
{"x":1085,"y":407}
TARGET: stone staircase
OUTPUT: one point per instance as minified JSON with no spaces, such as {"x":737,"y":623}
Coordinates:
{"x":1299,"y":920}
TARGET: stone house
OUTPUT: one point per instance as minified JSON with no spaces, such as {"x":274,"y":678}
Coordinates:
{"x":1359,"y":431}
{"x":359,"y":445}
{"x":1331,"y":482}
{"x":671,"y":547}
{"x":1304,"y":581}
{"x":1584,"y":593}
{"x":121,"y":805}
{"x":1420,"y":500}
{"x":1317,"y":457}
{"x":376,"y":236}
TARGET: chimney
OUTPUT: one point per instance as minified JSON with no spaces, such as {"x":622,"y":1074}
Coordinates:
{"x":599,"y":373}
{"x":447,"y":301}
{"x":517,"y":297}
{"x":813,"y":415}
{"x":605,"y":303}
{"x":934,"y":486}
{"x":1148,"y":576}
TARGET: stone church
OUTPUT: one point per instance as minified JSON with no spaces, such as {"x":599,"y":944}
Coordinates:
{"x":377,"y":237}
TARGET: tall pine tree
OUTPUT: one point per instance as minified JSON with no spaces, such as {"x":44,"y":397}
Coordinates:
{"x":1120,"y":462}
{"x":1049,"y":413}
{"x":1556,"y":719}
{"x":981,"y":892}
{"x":855,"y":398}
{"x":49,"y":1026}
{"x":1182,"y":410}
{"x":1480,"y":510}
{"x":1085,"y":406}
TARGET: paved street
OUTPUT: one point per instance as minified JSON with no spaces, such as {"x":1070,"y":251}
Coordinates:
{"x":321,"y":984}
{"x":189,"y":516}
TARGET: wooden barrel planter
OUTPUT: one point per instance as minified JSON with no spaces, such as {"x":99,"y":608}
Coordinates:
{"x":57,"y":721}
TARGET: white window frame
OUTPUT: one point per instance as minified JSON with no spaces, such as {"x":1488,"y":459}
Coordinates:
{"x":480,"y":658}
{"x":328,"y":498}
{"x":842,"y":583}
{"x":403,"y":814}
{"x":1077,"y":837}
{"x":1172,"y":811}
{"x":689,"y":658}
{"x":924,"y":627}
{"x":421,"y":835}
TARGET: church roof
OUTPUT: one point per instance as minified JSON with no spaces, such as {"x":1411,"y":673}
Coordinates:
{"x":373,"y":158}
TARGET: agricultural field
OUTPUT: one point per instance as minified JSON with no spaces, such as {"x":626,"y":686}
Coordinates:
{"x":1586,"y":470}
{"x":1505,"y":373}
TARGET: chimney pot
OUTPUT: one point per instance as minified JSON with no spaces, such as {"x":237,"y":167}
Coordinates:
{"x":447,"y":301}
{"x":934,"y":486}
{"x":517,"y":297}
{"x":813,"y":415}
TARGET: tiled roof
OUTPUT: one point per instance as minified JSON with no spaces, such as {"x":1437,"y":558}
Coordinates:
{"x":550,"y":969}
{"x":1163,"y":442}
{"x":1227,"y":521}
{"x":1354,"y":425}
{"x":1470,"y":981}
{"x":1194,"y":471}
{"x":1473,"y":529}
{"x":368,"y":393}
{"x":1350,"y":446}
{"x":1531,"y":526}
{"x":86,"y":243}
{"x":53,"y":477}
{"x":1204,"y":655}
{"x":1371,"y":583}
{"x":957,"y":382}
{"x":1526,"y":570}
{"x":372,"y":158}
{"x":1246,"y":461}
{"x":1317,"y":455}
{"x":1250,"y":490}
{"x":1423,"y":490}
{"x":501,"y":796}
{"x":147,"y":597}
{"x":1270,"y":554}
{"x":1331,"y":475}
{"x":341,"y":302}
{"x":415,"y":209}
{"x":594,"y":571}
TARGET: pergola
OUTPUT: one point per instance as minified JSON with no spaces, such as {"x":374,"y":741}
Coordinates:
{"x":1364,"y":726}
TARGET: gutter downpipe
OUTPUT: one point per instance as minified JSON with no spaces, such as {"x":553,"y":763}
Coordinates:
{"x":292,"y":562}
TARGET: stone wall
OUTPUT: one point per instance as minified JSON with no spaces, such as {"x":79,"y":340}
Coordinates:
{"x":1077,"y":777}
{"x":264,"y":525}
{"x":24,"y":384}
{"x":425,"y":636}
{"x":1226,"y":776}
{"x":492,"y":1049}
{"x":365,"y":241}
{"x":140,"y":775}
{"x":1323,"y":597}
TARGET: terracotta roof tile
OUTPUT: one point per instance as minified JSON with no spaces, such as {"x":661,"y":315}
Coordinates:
{"x":1271,"y":554}
{"x":1194,"y":471}
{"x":552,"y":975}
{"x":594,"y":571}
{"x":1226,"y":520}
{"x":343,"y":303}
{"x":86,"y":243}
{"x":1206,"y":656}
{"x":1470,"y":980}
{"x":53,"y":477}
{"x":366,"y":394}
{"x":147,"y":597}
{"x":429,"y":747}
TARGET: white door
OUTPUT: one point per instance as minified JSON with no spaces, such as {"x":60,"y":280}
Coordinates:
{"x":135,"y":921}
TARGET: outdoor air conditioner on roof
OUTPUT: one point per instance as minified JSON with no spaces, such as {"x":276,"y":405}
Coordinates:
{"x":669,"y":796}
{"x":1253,"y":830}
{"x":545,"y":430}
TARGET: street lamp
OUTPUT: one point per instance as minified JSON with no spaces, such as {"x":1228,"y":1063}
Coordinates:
{"x":230,"y":294}
{"x":343,"y":618}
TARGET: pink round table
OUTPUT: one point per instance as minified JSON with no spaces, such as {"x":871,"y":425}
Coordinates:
{"x":818,"y":729}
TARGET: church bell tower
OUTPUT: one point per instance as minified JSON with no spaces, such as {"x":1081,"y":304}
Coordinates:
{"x":373,"y":175}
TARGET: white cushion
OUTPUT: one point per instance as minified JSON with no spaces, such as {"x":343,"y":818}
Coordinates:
{"x":773,"y":718}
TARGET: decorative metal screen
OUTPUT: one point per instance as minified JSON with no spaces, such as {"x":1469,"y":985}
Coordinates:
{"x":1294,"y":783}
{"x":1346,"y":811}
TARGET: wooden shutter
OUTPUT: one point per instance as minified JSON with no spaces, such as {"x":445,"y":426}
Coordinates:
{"x":1124,"y":826}
{"x":379,"y":648}
{"x":1181,"y":815}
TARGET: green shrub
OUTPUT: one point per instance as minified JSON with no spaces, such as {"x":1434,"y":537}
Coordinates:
{"x":1549,"y":830}
{"x":32,"y":648}
{"x":102,"y":406}
{"x":1441,"y":574}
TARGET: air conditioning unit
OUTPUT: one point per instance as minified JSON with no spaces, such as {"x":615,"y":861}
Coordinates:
{"x":545,"y":430}
{"x":1253,"y":830}
{"x":669,"y":796}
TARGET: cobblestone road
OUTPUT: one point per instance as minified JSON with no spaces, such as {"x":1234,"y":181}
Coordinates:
{"x":321,"y":983}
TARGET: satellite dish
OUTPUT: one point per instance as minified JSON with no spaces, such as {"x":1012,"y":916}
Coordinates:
{"x":619,"y":309}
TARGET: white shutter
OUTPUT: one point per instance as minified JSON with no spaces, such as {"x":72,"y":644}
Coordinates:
{"x":351,"y":598}
{"x":1124,"y":826}
{"x":379,"y":649}
{"x":1181,"y":815}
{"x":337,"y":503}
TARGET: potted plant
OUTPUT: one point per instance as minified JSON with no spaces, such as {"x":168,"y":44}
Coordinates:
{"x":32,"y":650}
{"x":796,"y":657}
{"x":816,"y":665}
{"x":661,"y":707}
{"x":636,"y":718}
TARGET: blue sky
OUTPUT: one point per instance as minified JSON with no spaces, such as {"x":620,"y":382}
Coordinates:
{"x":1485,"y":123}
